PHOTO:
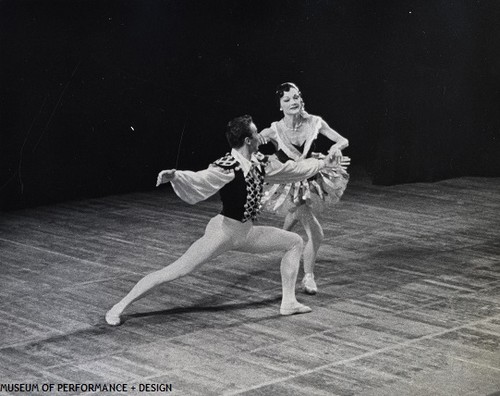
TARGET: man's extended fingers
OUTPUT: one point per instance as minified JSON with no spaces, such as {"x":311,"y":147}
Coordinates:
{"x":160,"y":179}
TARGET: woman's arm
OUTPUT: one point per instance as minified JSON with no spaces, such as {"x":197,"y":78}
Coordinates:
{"x":268,"y":135}
{"x":340,"y":141}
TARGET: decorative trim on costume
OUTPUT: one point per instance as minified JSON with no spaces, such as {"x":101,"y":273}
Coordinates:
{"x":228,"y":163}
{"x":284,"y":143}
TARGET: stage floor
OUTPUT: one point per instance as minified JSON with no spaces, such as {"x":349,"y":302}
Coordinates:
{"x":408,"y":302}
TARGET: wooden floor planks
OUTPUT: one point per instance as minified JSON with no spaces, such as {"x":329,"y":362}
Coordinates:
{"x":408,"y":302}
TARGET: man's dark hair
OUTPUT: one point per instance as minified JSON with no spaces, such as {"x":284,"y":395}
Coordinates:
{"x":237,"y":130}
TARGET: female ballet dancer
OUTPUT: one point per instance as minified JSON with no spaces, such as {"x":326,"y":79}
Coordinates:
{"x":294,"y":137}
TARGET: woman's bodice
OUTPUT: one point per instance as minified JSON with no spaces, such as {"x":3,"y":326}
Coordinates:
{"x":289,"y":146}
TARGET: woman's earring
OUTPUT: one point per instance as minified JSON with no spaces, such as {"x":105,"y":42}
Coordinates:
{"x":281,"y":109}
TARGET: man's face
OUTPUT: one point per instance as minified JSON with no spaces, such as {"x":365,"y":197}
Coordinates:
{"x":254,"y":140}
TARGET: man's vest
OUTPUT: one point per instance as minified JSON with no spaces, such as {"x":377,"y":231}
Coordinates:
{"x":241,"y":197}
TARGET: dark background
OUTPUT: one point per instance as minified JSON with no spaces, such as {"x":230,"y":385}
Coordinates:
{"x":97,"y":96}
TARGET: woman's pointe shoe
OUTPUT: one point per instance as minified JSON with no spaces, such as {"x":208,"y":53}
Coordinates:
{"x":112,"y":318}
{"x":309,"y":285}
{"x":296,"y":308}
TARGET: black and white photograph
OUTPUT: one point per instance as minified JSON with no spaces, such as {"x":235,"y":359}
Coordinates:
{"x":247,"y":197}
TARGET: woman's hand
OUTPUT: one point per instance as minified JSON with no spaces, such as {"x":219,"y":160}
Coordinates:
{"x":165,"y":176}
{"x":336,"y":154}
{"x":262,"y":139}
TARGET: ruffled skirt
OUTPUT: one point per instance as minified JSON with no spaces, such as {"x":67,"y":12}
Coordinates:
{"x":318,"y":192}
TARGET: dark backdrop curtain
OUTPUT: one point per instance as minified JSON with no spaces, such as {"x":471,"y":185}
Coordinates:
{"x":97,"y":96}
{"x":440,"y":71}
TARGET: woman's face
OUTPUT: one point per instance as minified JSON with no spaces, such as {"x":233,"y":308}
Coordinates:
{"x":291,"y":102}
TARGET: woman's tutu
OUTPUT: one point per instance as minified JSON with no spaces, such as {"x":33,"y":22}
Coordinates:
{"x":318,"y":192}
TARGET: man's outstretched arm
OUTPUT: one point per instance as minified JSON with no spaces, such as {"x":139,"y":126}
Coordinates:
{"x":193,"y":187}
{"x":295,"y":171}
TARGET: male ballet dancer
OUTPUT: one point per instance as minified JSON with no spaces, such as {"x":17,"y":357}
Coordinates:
{"x":239,"y":176}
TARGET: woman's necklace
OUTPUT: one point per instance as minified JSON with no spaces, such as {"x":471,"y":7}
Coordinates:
{"x":293,"y":128}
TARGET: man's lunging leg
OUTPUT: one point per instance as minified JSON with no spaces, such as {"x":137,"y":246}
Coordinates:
{"x":212,"y":244}
{"x":268,"y":239}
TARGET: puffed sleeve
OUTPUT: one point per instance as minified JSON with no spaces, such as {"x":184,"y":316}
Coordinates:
{"x":292,"y":171}
{"x":193,"y":187}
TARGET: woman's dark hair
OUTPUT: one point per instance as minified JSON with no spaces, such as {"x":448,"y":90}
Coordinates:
{"x":285,"y":87}
{"x":237,"y":130}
